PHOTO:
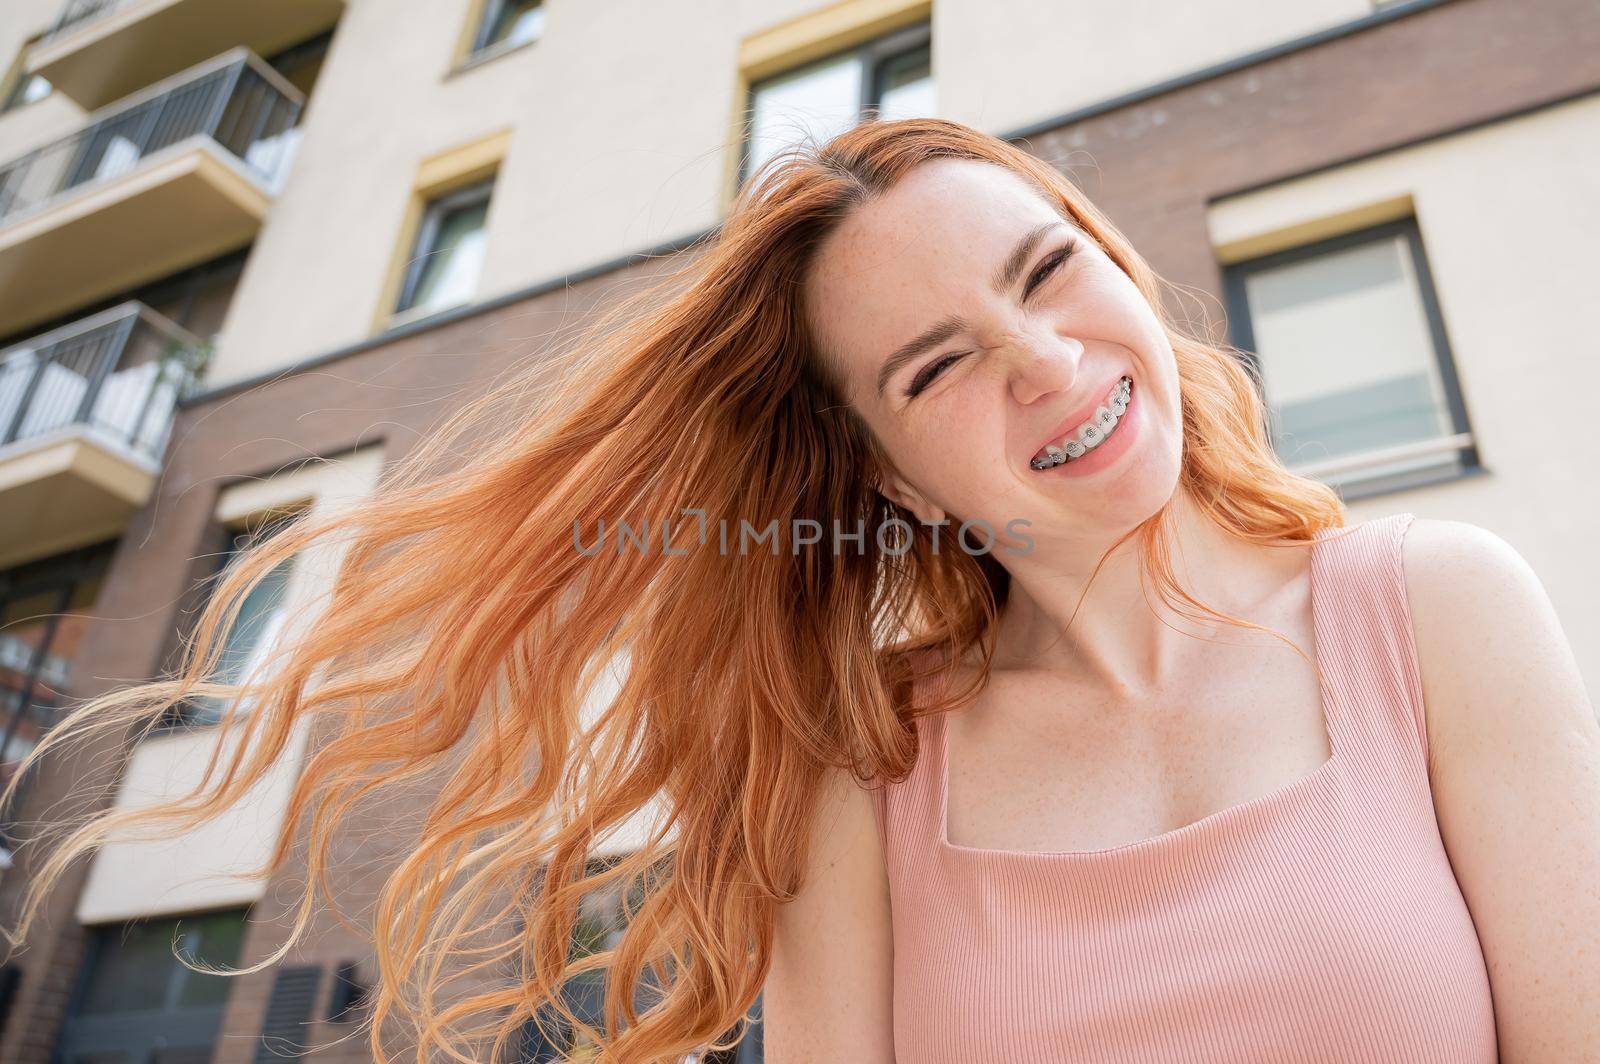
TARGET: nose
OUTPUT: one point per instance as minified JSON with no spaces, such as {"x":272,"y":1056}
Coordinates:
{"x":1041,"y":365}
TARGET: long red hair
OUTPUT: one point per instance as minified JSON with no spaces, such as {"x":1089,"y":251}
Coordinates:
{"x":465,"y":627}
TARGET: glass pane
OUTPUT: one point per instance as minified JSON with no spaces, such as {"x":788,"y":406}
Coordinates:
{"x":118,"y":157}
{"x":132,"y":970}
{"x":30,"y":698}
{"x":135,"y":401}
{"x":450,"y":274}
{"x":814,"y":102}
{"x":62,"y":372}
{"x":23,"y":645}
{"x":135,"y":967}
{"x":215,"y":939}
{"x":514,"y":21}
{"x":44,"y":619}
{"x":1346,"y":354}
{"x":248,"y":643}
{"x":259,"y":619}
{"x":906,"y":83}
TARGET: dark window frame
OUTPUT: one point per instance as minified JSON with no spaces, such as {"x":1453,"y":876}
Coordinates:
{"x":874,"y":55}
{"x":72,"y":580}
{"x":428,"y":231}
{"x":1242,"y":336}
{"x":150,"y":1027}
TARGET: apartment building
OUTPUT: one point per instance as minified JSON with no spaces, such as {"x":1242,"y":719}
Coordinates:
{"x":249,"y":253}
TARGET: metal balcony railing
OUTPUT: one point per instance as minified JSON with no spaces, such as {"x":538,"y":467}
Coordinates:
{"x":120,"y":372}
{"x":75,"y":13}
{"x":236,"y":100}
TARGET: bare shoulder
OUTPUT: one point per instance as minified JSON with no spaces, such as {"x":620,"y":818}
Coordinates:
{"x":1433,"y":546}
{"x":828,"y":993}
{"x":1458,"y":563}
{"x":1480,"y":619}
{"x":1515,"y":776}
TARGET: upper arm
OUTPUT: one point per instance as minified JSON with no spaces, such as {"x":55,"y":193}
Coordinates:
{"x":1515,"y":769}
{"x":828,"y":992}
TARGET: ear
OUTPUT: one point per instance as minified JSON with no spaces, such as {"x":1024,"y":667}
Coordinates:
{"x":902,"y":493}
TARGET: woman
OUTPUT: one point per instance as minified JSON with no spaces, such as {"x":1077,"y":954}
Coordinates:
{"x":941,"y":797}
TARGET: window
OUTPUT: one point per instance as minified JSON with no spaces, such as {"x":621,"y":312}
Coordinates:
{"x":889,"y":78}
{"x":603,"y":915}
{"x":602,"y":919}
{"x":508,"y":23}
{"x":45,"y":607}
{"x":255,"y":629}
{"x":137,"y":1001}
{"x":29,"y":87}
{"x":448,"y":255}
{"x":1359,"y":383}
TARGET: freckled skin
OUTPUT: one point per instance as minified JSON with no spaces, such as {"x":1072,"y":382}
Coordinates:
{"x":961,"y":448}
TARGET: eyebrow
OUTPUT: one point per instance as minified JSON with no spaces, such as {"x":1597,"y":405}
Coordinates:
{"x":1003,"y":279}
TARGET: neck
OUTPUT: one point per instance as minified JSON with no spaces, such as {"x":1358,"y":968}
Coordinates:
{"x":1118,"y":638}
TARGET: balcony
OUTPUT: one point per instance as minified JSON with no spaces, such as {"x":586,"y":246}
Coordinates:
{"x":85,"y":411}
{"x":99,"y":51}
{"x":177,"y":174}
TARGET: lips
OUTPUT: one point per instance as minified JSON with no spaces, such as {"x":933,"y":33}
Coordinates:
{"x":1078,"y":417}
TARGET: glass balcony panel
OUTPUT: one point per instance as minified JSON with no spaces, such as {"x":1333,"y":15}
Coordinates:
{"x":75,"y":13}
{"x":119,"y":373}
{"x":101,"y":51}
{"x":240,"y":106}
{"x":176,"y":175}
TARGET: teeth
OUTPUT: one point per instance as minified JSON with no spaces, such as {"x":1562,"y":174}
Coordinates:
{"x":1091,"y":433}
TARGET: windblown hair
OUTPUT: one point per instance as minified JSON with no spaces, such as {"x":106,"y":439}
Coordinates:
{"x":468,"y":623}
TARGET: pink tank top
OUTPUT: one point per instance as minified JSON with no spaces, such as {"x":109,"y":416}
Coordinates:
{"x":1320,"y":922}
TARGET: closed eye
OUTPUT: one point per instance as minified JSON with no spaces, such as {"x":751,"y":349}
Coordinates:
{"x":1048,"y":267}
{"x":929,"y":373}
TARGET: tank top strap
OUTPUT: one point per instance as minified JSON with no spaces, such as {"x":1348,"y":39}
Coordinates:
{"x":1370,"y":682}
{"x":904,"y":808}
{"x":1365,"y":647}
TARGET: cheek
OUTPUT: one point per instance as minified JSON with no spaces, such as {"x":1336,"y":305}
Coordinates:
{"x":1131,"y":307}
{"x":1107,"y":297}
{"x":960,"y":455}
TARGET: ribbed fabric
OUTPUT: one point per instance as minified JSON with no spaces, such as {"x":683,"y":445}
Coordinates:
{"x":1320,"y":922}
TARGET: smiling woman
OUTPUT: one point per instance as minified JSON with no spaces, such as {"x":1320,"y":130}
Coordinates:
{"x":941,"y":805}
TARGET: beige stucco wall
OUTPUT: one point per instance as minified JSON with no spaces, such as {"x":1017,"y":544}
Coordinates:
{"x":204,"y":868}
{"x":1013,"y":64}
{"x":1510,"y":217}
{"x":620,"y":143}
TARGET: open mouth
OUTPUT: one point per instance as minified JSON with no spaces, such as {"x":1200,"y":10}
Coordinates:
{"x":1091,"y":433}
